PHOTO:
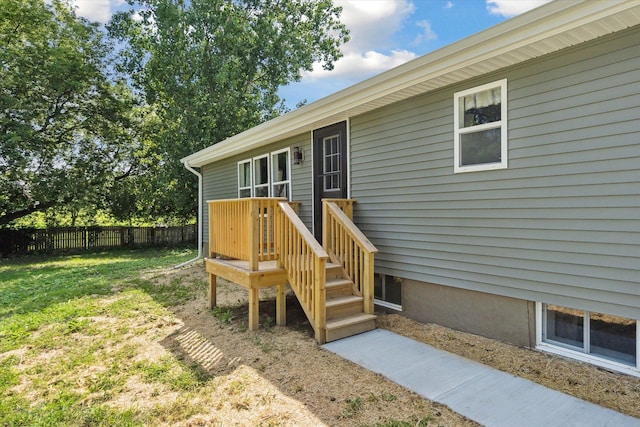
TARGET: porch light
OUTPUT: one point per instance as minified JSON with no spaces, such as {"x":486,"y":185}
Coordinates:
{"x":298,"y":155}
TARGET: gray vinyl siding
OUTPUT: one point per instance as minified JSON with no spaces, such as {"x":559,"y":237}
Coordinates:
{"x":560,"y":225}
{"x":220,"y":179}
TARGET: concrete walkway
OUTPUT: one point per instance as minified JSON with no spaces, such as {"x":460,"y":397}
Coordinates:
{"x":483,"y":394}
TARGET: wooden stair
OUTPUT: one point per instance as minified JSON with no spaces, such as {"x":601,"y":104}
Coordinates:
{"x":344,"y":310}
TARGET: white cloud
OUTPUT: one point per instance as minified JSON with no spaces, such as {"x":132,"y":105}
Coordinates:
{"x":449,"y":5}
{"x":373,"y":22}
{"x":358,"y":66}
{"x":372,"y":25}
{"x":427,"y":32}
{"x":97,"y":10}
{"x":509,"y":8}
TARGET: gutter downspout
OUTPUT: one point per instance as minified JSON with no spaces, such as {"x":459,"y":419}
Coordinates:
{"x":199,"y":175}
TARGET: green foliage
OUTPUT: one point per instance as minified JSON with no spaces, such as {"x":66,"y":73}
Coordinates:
{"x":209,"y":69}
{"x":171,"y":294}
{"x":414,"y":422}
{"x":65,"y":127}
{"x":171,"y":373}
{"x":75,"y":141}
{"x":223,"y":314}
{"x":269,"y":322}
{"x":353,"y":406}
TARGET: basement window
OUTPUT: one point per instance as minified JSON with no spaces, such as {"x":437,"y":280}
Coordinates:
{"x":602,"y":339}
{"x":387,"y":291}
{"x":480,"y":128}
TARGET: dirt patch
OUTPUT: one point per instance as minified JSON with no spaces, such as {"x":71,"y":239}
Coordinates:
{"x":280,"y":376}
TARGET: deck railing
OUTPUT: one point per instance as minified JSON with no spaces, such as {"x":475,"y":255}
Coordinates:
{"x":243,"y":229}
{"x":305,"y":261}
{"x":346,"y":205}
{"x":268,"y":229}
{"x":348,"y":246}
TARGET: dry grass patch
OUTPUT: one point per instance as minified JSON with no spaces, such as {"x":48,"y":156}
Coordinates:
{"x":149,"y":353}
{"x":609,"y":389}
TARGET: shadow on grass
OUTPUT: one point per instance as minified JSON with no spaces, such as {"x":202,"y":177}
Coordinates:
{"x":32,"y":284}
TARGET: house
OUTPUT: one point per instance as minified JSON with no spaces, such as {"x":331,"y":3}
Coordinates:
{"x":497,"y":177}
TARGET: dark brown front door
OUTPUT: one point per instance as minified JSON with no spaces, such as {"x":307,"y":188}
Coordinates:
{"x":329,"y":169}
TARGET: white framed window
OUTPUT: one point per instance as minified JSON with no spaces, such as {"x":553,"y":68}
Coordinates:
{"x":387,"y":291}
{"x":281,"y":173}
{"x":331,"y":162}
{"x":261,"y":176}
{"x":267,"y":175}
{"x":480,"y":128}
{"x":245,"y":179}
{"x":601,"y":339}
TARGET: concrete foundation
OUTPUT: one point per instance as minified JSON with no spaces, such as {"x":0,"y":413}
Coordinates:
{"x":505,"y":319}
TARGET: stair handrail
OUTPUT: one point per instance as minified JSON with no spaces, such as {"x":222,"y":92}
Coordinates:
{"x":348,"y":246}
{"x":305,"y":260}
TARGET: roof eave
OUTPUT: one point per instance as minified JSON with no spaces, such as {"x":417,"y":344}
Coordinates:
{"x":513,"y":36}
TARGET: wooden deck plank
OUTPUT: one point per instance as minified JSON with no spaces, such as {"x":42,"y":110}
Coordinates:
{"x":267,"y":275}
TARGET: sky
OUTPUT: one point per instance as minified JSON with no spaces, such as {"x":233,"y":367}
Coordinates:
{"x":384,"y":34}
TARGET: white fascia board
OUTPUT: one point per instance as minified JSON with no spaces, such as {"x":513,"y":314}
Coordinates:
{"x":540,"y":24}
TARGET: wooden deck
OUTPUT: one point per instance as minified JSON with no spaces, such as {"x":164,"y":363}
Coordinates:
{"x":261,"y":243}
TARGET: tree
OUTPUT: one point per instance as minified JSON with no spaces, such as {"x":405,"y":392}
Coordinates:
{"x":209,"y":69}
{"x":64,"y":127}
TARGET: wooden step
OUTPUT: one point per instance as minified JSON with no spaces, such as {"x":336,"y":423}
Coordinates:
{"x":339,"y":287}
{"x":349,"y":325}
{"x":334,"y":271}
{"x":343,"y":306}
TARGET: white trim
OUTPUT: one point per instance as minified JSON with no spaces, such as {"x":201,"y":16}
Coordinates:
{"x":273,"y":171}
{"x":584,"y":357}
{"x":348,"y":145}
{"x":586,"y":332}
{"x":539,"y":324}
{"x":336,"y":137}
{"x":268,"y":183}
{"x":199,"y":224}
{"x":581,"y":355}
{"x":459,"y":129}
{"x":313,"y":185}
{"x":638,"y":345}
{"x":250,"y":186}
{"x":543,"y":30}
{"x":386,"y":304}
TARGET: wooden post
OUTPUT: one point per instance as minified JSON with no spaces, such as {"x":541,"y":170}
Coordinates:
{"x":367,"y":286}
{"x":254,"y":237}
{"x":281,"y":305}
{"x":212,"y":290}
{"x":254,"y":305}
{"x":325,"y":224}
{"x":319,"y":299}
{"x":211,"y":234}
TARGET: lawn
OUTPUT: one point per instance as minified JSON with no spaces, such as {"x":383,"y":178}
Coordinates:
{"x":122,"y":338}
{"x":67,"y":330}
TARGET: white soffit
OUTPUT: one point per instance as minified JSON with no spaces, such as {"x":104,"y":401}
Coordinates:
{"x":549,"y":28}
